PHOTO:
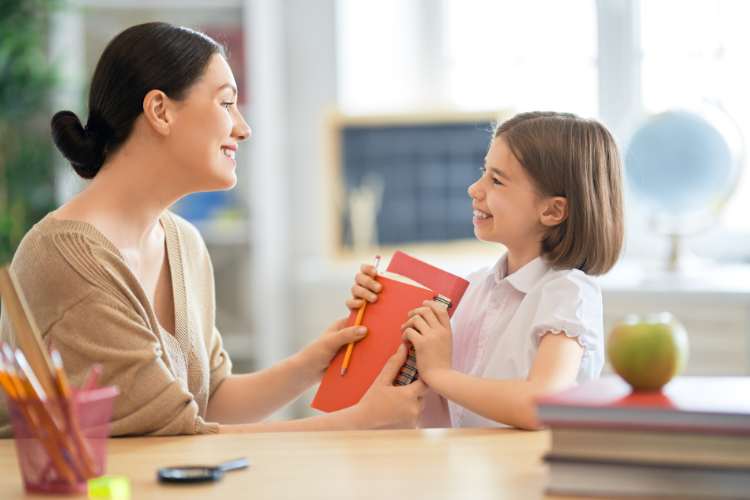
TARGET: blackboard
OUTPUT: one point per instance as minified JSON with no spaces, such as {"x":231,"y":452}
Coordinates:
{"x":421,"y":167}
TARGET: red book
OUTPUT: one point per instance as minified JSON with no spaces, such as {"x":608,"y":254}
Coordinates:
{"x":440,"y":281}
{"x":383,"y":319}
{"x":701,"y":404}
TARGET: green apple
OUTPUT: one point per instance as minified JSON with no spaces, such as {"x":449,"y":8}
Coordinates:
{"x":647,"y":351}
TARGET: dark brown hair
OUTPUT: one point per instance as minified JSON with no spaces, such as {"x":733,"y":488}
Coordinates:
{"x":568,"y":156}
{"x":141,"y":58}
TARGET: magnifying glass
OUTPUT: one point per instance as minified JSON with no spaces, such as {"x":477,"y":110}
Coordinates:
{"x":200,"y":473}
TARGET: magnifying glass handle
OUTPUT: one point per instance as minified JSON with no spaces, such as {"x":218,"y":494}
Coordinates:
{"x":236,"y":464}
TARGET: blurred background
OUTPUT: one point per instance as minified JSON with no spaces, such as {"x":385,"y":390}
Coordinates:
{"x":370,"y":119}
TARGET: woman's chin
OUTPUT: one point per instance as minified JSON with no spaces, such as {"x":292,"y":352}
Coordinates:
{"x":227,"y":180}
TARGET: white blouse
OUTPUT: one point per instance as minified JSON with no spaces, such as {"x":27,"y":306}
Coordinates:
{"x":501,"y":320}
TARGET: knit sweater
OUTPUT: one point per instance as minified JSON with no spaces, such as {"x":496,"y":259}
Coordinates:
{"x":88,"y":305}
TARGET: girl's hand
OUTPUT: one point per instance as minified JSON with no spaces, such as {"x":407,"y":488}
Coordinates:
{"x":365,"y":288}
{"x":429,"y":330}
{"x":385,"y":405}
{"x":320,"y":353}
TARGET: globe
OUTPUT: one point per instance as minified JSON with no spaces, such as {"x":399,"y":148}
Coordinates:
{"x":683,"y":166}
{"x":680,"y":162}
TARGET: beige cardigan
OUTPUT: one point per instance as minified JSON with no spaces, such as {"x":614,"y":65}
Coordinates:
{"x":89,"y":305}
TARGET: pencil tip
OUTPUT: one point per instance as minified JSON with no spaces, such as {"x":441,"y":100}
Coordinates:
{"x":343,"y":371}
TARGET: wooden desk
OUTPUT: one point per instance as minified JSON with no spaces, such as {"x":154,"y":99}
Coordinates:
{"x":471,"y":464}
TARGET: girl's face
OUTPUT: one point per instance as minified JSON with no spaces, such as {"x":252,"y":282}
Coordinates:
{"x":506,"y":204}
{"x":207,"y":129}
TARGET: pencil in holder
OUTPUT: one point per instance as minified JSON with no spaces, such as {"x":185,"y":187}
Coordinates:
{"x":52,"y":461}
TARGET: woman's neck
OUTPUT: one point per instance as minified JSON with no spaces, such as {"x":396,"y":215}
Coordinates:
{"x":126,"y":198}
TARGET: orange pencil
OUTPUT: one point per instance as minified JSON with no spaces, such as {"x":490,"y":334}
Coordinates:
{"x":357,"y":322}
{"x":31,"y":400}
{"x":71,"y":418}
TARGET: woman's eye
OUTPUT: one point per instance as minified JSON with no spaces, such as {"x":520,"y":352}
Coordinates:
{"x":227,"y":105}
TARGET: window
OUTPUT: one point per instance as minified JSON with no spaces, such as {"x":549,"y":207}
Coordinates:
{"x":704,"y":58}
{"x":533,"y":55}
{"x":476,"y":55}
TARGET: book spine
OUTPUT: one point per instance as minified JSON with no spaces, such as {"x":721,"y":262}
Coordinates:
{"x":408,"y":373}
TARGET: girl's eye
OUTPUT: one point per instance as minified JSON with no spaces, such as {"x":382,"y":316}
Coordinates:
{"x":227,"y":105}
{"x":495,"y":180}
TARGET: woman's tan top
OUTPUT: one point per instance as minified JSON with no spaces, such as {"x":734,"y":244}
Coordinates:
{"x":89,"y":305}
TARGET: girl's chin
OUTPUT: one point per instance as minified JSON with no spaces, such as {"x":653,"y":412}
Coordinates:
{"x":485,"y":236}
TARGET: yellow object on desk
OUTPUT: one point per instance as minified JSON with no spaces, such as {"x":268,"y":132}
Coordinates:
{"x":109,"y":488}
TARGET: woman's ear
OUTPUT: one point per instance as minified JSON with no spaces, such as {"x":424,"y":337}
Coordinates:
{"x":554,"y":210}
{"x":156,"y":111}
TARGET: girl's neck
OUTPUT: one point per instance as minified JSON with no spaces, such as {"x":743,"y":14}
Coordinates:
{"x":516,"y":259}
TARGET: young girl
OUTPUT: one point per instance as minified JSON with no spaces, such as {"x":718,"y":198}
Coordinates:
{"x":550,"y":192}
{"x":113,"y":277}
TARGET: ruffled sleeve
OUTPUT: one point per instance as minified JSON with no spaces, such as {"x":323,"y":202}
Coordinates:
{"x":571,"y":305}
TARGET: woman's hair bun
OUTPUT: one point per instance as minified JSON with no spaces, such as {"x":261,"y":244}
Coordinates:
{"x":84,"y":148}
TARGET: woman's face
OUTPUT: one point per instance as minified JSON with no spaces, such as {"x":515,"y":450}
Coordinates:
{"x":207,"y":129}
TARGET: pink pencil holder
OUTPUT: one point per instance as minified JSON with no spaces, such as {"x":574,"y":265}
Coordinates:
{"x":93,"y":410}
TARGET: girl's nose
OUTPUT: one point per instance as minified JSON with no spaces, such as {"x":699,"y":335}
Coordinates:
{"x":474,"y":191}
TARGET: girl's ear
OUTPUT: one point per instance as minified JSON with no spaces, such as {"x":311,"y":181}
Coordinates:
{"x":554,"y":210}
{"x":157,"y":111}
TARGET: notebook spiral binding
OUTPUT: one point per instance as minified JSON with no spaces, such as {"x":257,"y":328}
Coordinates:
{"x":408,"y":372}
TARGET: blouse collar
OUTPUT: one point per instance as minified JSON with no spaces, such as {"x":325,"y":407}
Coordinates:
{"x":523,"y":279}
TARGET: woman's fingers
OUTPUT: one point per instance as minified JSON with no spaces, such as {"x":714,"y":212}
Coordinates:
{"x":368,"y":269}
{"x":338,"y":324}
{"x":367,"y":282}
{"x":360,"y":292}
{"x":354,"y":304}
{"x":392,"y":367}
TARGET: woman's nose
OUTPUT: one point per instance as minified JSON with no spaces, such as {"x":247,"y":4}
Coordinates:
{"x":242,"y":130}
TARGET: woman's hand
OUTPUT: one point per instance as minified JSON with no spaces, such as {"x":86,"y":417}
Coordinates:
{"x":385,"y":405}
{"x":365,"y":288}
{"x":319,"y":354}
{"x":429,"y":330}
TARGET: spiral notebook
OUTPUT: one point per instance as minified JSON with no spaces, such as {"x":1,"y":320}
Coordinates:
{"x":407,"y":283}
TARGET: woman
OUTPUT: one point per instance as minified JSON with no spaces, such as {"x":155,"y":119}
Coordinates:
{"x":113,"y":277}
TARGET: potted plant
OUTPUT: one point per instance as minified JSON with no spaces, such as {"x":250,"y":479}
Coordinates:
{"x":26,"y":150}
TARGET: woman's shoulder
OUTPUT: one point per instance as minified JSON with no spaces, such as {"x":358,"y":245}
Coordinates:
{"x":58,"y":263}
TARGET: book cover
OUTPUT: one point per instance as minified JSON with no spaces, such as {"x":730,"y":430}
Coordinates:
{"x":432,"y":277}
{"x":704,"y":404}
{"x":383,"y":319}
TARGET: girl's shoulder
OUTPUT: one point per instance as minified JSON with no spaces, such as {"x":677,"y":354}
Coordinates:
{"x":570,"y":280}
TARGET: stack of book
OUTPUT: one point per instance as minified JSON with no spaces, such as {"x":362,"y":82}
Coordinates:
{"x":692,"y":439}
